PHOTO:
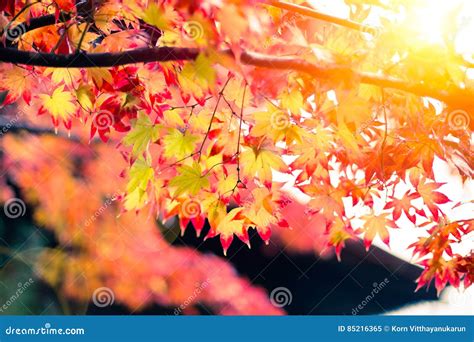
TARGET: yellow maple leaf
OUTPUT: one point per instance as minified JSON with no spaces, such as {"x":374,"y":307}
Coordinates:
{"x":199,"y":123}
{"x":85,"y":97}
{"x":141,"y":174}
{"x":229,"y":226}
{"x":172,"y":118}
{"x":99,"y":75}
{"x":198,"y":76}
{"x":234,"y":91}
{"x":261,"y":212}
{"x":376,"y":225}
{"x":215,"y":208}
{"x":178,"y":145}
{"x":77,"y":35}
{"x":159,"y":17}
{"x":353,"y":108}
{"x":15,"y":80}
{"x":260,"y":162}
{"x":276,"y":123}
{"x":59,"y":104}
{"x":292,"y":100}
{"x":66,"y":75}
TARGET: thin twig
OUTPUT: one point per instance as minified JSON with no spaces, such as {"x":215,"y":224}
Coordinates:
{"x":221,"y":93}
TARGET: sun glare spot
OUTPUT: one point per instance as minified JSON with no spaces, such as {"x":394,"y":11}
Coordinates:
{"x":437,"y":22}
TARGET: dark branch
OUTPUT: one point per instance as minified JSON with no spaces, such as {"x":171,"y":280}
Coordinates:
{"x":83,"y":60}
{"x":38,"y":22}
{"x":455,"y":96}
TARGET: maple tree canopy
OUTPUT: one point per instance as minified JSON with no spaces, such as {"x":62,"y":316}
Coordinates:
{"x":226,"y":111}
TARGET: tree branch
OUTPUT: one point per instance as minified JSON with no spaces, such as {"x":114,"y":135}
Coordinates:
{"x":35,"y":23}
{"x":164,"y":54}
{"x":309,"y":12}
{"x":83,"y":60}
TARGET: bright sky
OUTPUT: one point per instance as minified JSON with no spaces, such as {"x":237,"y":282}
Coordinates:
{"x":430,"y":21}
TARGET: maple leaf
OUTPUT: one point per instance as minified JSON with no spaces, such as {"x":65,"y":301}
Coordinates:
{"x":442,"y":270}
{"x":431,"y":198}
{"x":144,"y":132}
{"x":420,"y":148}
{"x":156,"y":16}
{"x":263,"y":212}
{"x":179,"y":145}
{"x":402,"y":205}
{"x":276,"y":123}
{"x":190,"y":180}
{"x":216,"y":209}
{"x":339,"y":233}
{"x":292,"y":100}
{"x":376,"y":225}
{"x":76,"y":34}
{"x":197,"y":75}
{"x":16,"y":81}
{"x":100,"y":75}
{"x":140,"y":175}
{"x":353,"y":110}
{"x":85,"y":97}
{"x":60,"y":105}
{"x":260,"y":161}
{"x":231,"y":224}
{"x":325,"y":199}
{"x":63,"y":75}
{"x":234,"y":92}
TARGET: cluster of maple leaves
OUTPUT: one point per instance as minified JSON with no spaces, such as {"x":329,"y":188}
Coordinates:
{"x":202,"y":136}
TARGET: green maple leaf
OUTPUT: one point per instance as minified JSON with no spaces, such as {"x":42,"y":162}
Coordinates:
{"x":190,"y":180}
{"x":143,"y":133}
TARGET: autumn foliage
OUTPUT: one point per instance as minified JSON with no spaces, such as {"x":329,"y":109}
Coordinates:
{"x":229,"y":112}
